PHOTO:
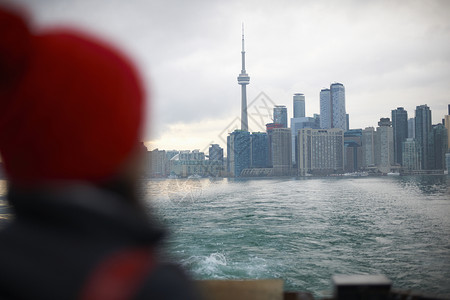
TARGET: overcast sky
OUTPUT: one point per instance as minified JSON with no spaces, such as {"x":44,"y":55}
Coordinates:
{"x":386,"y":53}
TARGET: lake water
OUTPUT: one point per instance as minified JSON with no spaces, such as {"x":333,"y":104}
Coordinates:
{"x":306,"y":230}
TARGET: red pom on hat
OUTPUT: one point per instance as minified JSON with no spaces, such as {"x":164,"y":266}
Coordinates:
{"x":75,"y":113}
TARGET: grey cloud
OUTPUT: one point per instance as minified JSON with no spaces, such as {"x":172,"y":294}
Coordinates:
{"x":189,"y":51}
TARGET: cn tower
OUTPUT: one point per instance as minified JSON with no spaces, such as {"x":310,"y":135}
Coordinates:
{"x":243,"y":80}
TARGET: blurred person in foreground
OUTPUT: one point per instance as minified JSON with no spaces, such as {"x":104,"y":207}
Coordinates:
{"x":70,"y":122}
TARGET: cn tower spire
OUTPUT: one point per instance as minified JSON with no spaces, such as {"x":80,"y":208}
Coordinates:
{"x":243,"y":80}
{"x":243,"y":50}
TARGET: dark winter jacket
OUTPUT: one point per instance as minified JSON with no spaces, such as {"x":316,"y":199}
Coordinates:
{"x":57,"y":240}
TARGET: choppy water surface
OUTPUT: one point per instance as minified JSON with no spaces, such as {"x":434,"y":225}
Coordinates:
{"x":306,"y":230}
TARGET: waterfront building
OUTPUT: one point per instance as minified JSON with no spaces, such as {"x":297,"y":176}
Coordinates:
{"x":215,"y":153}
{"x":411,"y":155}
{"x":239,"y":152}
{"x":299,"y":105}
{"x":281,"y":152}
{"x":187,"y":163}
{"x":157,"y":163}
{"x":269,"y":129}
{"x":227,"y":168}
{"x":368,"y":147}
{"x":320,"y":151}
{"x":280,"y":115}
{"x":422,"y":131}
{"x":437,"y":147}
{"x":325,"y":109}
{"x":411,"y":128}
{"x":257,"y":172}
{"x":338,"y":106}
{"x":447,"y":125}
{"x":447,"y":161}
{"x":259,"y":154}
{"x":400,"y":131}
{"x":300,"y":123}
{"x":353,"y":150}
{"x":304,"y":122}
{"x":194,"y":155}
{"x":384,"y":146}
{"x":171,"y":153}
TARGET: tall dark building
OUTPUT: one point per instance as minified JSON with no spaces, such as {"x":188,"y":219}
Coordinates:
{"x":239,"y":152}
{"x":437,"y":147}
{"x":259,"y":155}
{"x":228,"y":168}
{"x":353,"y":150}
{"x":411,"y":128}
{"x":447,"y":125}
{"x":400,"y":131}
{"x":215,"y":152}
{"x":280,"y":115}
{"x":423,"y":131}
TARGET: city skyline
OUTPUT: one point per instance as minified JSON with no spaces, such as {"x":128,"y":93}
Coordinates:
{"x":388,"y":54}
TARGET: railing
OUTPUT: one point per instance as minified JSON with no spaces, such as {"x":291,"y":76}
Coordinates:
{"x":348,"y":287}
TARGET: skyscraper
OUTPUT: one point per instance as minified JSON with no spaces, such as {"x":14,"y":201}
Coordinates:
{"x":280,"y":115}
{"x":300,"y":123}
{"x":352,"y":150}
{"x":368,"y":147}
{"x":332,"y":107}
{"x":411,"y":128}
{"x":338,"y":106}
{"x":320,"y":151}
{"x":215,"y":152}
{"x":400,"y":130}
{"x":157,"y":163}
{"x":447,"y":125}
{"x":437,"y":147}
{"x":347,"y":122}
{"x":384,"y":146}
{"x":317,"y":120}
{"x":259,"y":150}
{"x":228,"y":161}
{"x":411,"y":155}
{"x":447,"y":162}
{"x":269,"y":128}
{"x":243,"y":80}
{"x":326,"y":115}
{"x":239,"y":152}
{"x":299,"y":105}
{"x":423,"y":129}
{"x":281,"y":151}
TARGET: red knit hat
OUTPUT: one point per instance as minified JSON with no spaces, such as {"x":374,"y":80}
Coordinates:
{"x":71,"y":106}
